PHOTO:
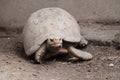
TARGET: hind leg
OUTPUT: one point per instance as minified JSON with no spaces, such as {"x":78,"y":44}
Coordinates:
{"x":83,"y":42}
{"x":40,"y":53}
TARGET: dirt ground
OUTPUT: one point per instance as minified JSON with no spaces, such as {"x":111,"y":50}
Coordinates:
{"x":14,"y":65}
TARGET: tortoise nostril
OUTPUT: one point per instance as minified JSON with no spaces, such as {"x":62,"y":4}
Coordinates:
{"x":56,"y":40}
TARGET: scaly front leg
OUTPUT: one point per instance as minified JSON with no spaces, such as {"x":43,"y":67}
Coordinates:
{"x":80,"y":54}
{"x":40,"y":53}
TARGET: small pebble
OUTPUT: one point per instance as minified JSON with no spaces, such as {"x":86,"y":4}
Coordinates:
{"x":106,"y":78}
{"x":34,"y":74}
{"x":111,"y":64}
{"x":96,"y":68}
{"x":1,"y":71}
{"x":64,"y":63}
{"x":19,"y":61}
{"x":8,"y":38}
{"x":53,"y":79}
{"x":88,"y":70}
{"x":20,"y":68}
{"x":111,"y":58}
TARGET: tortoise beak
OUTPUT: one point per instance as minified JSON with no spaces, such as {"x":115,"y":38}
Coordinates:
{"x":57,"y":45}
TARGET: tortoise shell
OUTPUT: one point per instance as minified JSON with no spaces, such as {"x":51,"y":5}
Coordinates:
{"x":46,"y":22}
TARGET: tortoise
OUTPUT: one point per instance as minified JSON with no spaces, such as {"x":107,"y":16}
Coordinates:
{"x":49,"y":30}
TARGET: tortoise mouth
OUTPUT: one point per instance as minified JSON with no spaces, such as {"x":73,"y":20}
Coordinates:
{"x":56,"y":45}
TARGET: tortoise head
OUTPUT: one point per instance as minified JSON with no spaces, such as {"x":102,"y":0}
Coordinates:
{"x":54,"y":42}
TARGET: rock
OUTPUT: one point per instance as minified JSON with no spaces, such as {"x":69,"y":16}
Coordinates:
{"x":111,"y":64}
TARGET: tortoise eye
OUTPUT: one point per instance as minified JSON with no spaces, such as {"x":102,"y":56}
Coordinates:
{"x":51,"y":40}
{"x":60,"y":39}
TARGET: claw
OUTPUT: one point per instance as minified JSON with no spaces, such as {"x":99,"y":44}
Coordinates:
{"x":38,"y":59}
{"x":73,"y":59}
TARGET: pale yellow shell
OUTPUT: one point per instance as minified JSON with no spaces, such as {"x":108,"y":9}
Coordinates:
{"x":46,"y":22}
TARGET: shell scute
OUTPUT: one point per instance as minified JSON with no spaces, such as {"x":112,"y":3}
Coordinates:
{"x":46,"y":22}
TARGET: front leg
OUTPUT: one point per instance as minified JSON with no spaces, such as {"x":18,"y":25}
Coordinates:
{"x":80,"y":54}
{"x":40,"y":53}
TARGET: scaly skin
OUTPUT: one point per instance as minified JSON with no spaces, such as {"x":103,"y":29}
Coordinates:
{"x":80,"y":54}
{"x":83,"y":42}
{"x":40,"y":53}
{"x":54,"y":47}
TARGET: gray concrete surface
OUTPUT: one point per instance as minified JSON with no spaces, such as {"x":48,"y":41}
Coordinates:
{"x":14,"y":65}
{"x":14,"y":13}
{"x":106,"y":28}
{"x":101,"y":33}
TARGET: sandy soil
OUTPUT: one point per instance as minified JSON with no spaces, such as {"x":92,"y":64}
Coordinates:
{"x":14,"y":65}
